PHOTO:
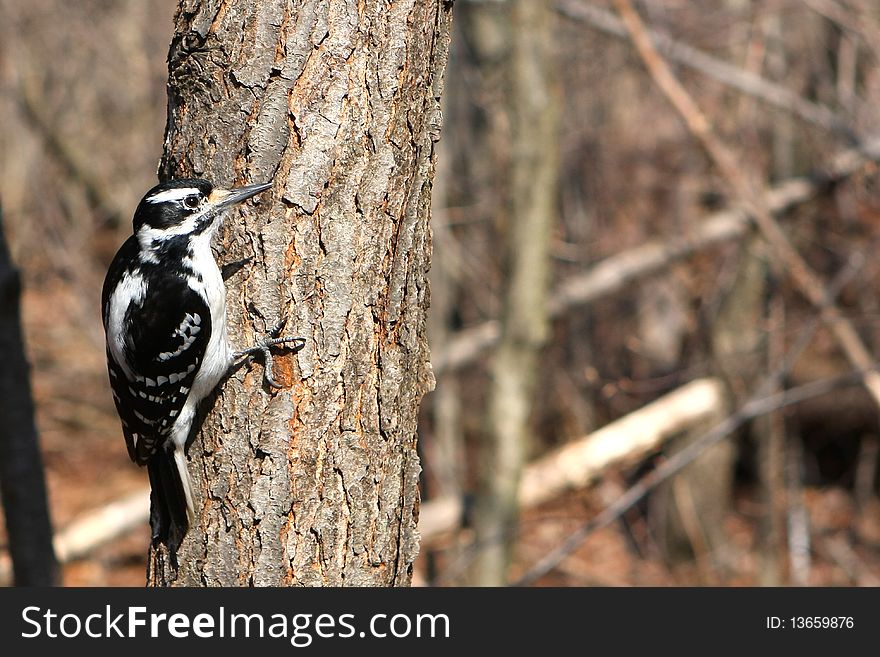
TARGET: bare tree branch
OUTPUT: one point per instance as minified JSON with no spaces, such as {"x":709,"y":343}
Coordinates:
{"x":96,"y":528}
{"x":763,"y":401}
{"x":103,"y":525}
{"x":807,"y":282}
{"x":674,"y":465}
{"x":579,"y":462}
{"x":617,"y":271}
{"x":735,"y":77}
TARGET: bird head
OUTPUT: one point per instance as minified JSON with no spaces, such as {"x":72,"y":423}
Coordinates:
{"x":186,"y":207}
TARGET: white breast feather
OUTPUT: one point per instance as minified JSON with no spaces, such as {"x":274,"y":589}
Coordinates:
{"x":218,"y":355}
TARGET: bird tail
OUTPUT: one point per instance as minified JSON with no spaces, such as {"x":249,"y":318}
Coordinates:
{"x":171,"y":510}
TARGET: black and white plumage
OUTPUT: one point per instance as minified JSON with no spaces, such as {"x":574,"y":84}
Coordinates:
{"x":164,"y":311}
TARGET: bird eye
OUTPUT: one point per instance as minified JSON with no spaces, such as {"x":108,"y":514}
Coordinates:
{"x":191,"y":201}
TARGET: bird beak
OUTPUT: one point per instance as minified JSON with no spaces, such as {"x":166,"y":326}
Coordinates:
{"x":226,"y":198}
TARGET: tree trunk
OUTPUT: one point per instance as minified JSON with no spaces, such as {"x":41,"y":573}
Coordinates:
{"x":524,"y":317}
{"x":337,"y":104}
{"x":22,"y":486}
{"x":701,"y":496}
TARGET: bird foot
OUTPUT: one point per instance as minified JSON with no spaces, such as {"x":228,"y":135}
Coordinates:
{"x":264,"y":347}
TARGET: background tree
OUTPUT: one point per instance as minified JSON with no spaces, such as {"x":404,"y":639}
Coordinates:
{"x":525,"y":218}
{"x":22,"y":487}
{"x":338,"y":105}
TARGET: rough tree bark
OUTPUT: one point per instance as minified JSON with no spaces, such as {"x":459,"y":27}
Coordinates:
{"x":337,"y":103}
{"x":22,"y":485}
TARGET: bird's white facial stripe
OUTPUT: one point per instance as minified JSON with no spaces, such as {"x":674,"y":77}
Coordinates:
{"x":147,"y":235}
{"x":149,"y":238}
{"x":173,"y":195}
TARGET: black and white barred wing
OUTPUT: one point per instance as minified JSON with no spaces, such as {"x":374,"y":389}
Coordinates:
{"x":152,"y":368}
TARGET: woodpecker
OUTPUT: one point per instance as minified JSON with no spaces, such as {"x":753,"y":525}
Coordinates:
{"x":164,"y":311}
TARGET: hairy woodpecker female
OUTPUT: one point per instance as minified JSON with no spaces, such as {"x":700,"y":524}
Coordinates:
{"x":164,"y":310}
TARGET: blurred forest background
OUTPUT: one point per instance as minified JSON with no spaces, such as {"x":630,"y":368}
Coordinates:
{"x":583,"y":170}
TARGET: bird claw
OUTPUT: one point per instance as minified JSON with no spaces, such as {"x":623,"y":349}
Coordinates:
{"x":264,"y":346}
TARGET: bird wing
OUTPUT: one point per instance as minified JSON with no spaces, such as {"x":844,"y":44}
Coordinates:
{"x":163,"y":348}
